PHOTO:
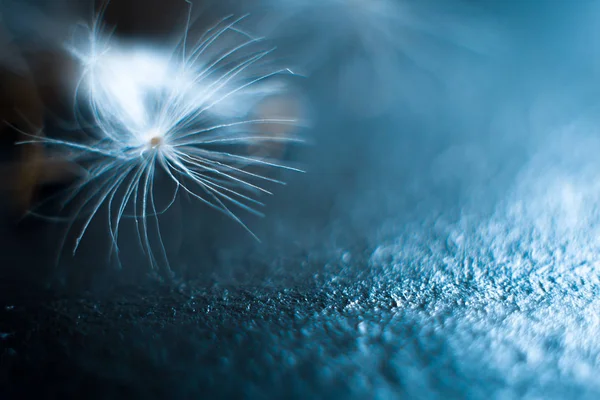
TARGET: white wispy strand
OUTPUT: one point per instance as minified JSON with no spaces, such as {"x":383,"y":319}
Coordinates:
{"x":381,"y":26}
{"x":186,"y":114}
{"x":387,"y":51}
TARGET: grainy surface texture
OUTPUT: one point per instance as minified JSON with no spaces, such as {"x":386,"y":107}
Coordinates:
{"x":495,"y":313}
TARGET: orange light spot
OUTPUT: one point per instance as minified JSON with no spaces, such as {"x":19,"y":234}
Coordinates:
{"x":155,"y":141}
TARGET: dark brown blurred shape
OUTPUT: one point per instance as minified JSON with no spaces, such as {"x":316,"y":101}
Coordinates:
{"x":148,"y":19}
{"x":283,"y":107}
{"x":23,"y":103}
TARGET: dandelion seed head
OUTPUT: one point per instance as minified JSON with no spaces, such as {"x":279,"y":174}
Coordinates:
{"x":188,"y":113}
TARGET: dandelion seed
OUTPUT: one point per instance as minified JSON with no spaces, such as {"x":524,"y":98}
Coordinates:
{"x":383,"y":47}
{"x":185,"y":114}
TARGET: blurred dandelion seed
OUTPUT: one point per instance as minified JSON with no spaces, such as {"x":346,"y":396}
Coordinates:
{"x":385,"y":51}
{"x":183,"y":114}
